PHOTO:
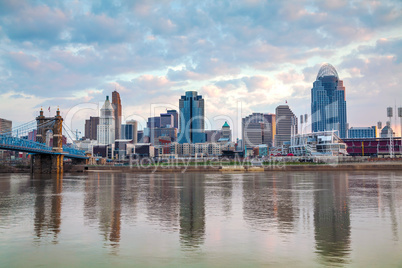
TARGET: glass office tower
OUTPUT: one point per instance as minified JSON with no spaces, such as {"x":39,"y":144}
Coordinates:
{"x":328,"y":102}
{"x":191,"y":125}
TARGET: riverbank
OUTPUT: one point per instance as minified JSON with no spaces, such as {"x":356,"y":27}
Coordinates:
{"x":268,"y":168}
{"x":277,"y":167}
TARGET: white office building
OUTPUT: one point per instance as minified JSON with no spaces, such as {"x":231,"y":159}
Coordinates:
{"x":106,"y":127}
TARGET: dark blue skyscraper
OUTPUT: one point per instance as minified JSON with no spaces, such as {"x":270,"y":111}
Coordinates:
{"x":328,"y":102}
{"x":191,"y":108}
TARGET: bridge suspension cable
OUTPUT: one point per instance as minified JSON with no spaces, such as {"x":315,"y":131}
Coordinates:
{"x":67,"y":130}
{"x":23,"y":130}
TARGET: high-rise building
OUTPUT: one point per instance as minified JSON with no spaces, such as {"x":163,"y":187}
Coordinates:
{"x":167,"y":120}
{"x":212,"y":135}
{"x":169,"y":133}
{"x":129,"y":131}
{"x":286,"y":124}
{"x":106,"y":131}
{"x":175,"y":117}
{"x":117,"y":113}
{"x":134,"y":123}
{"x":140,"y":136}
{"x":226,"y":133}
{"x":269,"y":139}
{"x":91,"y":128}
{"x":191,"y":107}
{"x":154,"y":122}
{"x":255,"y":130}
{"x":5,"y":126}
{"x":328,"y":102}
{"x":362,"y":132}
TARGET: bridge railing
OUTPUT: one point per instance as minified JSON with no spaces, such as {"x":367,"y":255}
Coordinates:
{"x":15,"y":143}
{"x":19,"y":144}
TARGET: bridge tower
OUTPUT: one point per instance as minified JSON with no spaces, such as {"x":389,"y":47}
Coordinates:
{"x":49,"y":163}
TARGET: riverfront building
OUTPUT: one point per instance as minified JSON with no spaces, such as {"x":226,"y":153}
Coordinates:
{"x":362,"y":132}
{"x":328,"y":102}
{"x":191,"y":126}
{"x":106,"y":131}
{"x":286,"y":125}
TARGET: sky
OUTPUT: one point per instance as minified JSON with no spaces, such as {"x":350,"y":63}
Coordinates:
{"x":241,"y":56}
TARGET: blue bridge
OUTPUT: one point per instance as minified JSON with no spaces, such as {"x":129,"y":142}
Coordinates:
{"x":23,"y":145}
{"x":30,"y":138}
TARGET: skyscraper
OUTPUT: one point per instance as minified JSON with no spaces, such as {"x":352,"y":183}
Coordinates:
{"x":191,"y":108}
{"x":134,"y":123}
{"x":286,"y":124}
{"x":175,"y":117}
{"x":91,"y":128}
{"x":106,"y":125}
{"x":328,"y":102}
{"x":269,"y":139}
{"x":256,"y":131}
{"x":167,"y":120}
{"x":129,"y":131}
{"x":117,"y":113}
{"x":154,"y":122}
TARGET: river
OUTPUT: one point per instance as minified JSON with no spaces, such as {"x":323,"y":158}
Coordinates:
{"x":277,"y":219}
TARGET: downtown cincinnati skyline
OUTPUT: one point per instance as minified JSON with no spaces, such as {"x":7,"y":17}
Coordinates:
{"x":259,"y":53}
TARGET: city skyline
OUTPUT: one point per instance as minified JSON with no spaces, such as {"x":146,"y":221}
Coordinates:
{"x":259,"y":54}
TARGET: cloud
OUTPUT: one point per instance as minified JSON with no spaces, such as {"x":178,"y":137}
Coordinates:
{"x":36,"y":23}
{"x":257,"y":52}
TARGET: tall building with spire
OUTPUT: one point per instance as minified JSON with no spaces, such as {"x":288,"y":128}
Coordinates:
{"x":106,"y":127}
{"x":117,"y":113}
{"x":328,"y":102}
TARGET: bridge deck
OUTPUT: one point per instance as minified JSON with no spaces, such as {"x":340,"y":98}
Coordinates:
{"x":23,"y":145}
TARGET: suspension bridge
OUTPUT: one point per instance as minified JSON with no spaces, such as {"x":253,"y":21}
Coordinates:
{"x":30,"y":137}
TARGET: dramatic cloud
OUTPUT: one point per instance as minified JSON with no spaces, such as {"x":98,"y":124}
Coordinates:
{"x":259,"y":53}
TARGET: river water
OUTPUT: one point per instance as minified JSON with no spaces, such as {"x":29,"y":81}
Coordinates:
{"x":303,"y":219}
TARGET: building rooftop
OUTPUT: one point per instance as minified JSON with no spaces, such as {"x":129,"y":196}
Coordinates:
{"x":327,"y":70}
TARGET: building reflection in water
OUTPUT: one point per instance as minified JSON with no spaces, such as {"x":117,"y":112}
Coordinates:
{"x":162,"y":200}
{"x":48,"y":204}
{"x":226,"y":192}
{"x":332,"y":217}
{"x":268,"y":202}
{"x":378,"y":191}
{"x":286,"y":210}
{"x":102,"y":201}
{"x":192,"y":210}
{"x":259,"y":202}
